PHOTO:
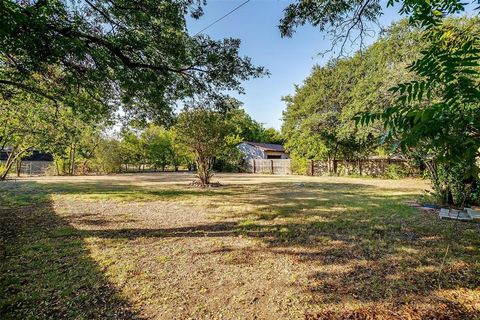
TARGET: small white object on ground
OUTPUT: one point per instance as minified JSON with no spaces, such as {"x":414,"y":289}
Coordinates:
{"x":463,"y":215}
{"x":474,"y":214}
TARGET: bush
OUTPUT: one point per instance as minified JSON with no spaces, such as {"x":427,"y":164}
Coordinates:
{"x":395,"y":171}
{"x":299,"y":165}
{"x":231,"y":160}
{"x":454,"y":184}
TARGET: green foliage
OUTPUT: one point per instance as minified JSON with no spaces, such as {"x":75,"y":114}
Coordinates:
{"x":318,"y":120}
{"x":157,"y":144}
{"x":244,"y":128}
{"x":439,"y":114}
{"x":453,"y":184}
{"x":108,"y":157}
{"x":395,"y":171}
{"x":299,"y":165}
{"x":204,"y":132}
{"x":28,"y":123}
{"x":340,"y":19}
{"x":436,"y":111}
{"x":139,"y":54}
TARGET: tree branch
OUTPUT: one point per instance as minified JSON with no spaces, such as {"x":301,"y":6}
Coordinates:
{"x":28,"y":88}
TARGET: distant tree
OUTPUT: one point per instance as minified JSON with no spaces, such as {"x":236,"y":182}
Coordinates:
{"x":271,"y":135}
{"x":131,"y":146}
{"x":203,"y":131}
{"x":158,"y":146}
{"x":181,"y":154}
{"x":242,"y":127}
{"x":107,"y":158}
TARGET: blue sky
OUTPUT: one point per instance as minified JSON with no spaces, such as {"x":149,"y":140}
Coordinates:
{"x":289,"y":60}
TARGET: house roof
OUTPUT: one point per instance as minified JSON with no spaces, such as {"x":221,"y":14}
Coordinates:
{"x":35,"y":155}
{"x":267,"y":146}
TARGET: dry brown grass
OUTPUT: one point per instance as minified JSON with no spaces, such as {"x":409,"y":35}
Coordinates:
{"x":260,"y":247}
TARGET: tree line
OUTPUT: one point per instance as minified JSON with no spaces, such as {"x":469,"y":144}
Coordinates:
{"x":69,"y":68}
{"x":197,"y":138}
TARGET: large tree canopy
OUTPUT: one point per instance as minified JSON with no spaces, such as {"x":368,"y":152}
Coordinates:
{"x":437,"y":112}
{"x":134,"y":53}
{"x":318,"y":122}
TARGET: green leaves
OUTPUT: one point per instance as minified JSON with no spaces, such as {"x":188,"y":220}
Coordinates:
{"x":342,"y":103}
{"x":445,"y":97}
{"x":138,"y":54}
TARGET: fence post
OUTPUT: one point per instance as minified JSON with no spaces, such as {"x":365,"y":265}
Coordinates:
{"x":271,"y":166}
{"x":312,"y":167}
{"x":254,"y":169}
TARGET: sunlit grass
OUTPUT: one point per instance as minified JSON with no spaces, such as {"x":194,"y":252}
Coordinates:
{"x":333,"y":246}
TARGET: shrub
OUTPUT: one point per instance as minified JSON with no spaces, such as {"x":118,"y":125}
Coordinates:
{"x":299,"y":165}
{"x":454,"y":184}
{"x":395,"y":171}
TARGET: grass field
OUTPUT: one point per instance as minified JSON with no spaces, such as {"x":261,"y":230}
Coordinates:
{"x":259,"y":247}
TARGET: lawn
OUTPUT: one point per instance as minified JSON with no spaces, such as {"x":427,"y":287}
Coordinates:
{"x":259,"y":247}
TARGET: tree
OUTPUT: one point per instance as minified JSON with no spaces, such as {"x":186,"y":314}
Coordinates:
{"x":28,"y":123}
{"x":271,"y":135}
{"x":181,"y":154}
{"x":131,"y":147}
{"x":436,"y":113}
{"x":107,"y":158}
{"x":158,"y":146}
{"x":32,"y":123}
{"x":318,"y":121}
{"x":203,"y":131}
{"x":241,"y":128}
{"x":135,"y":54}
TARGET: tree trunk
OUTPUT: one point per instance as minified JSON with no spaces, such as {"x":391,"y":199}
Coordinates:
{"x":8,"y":165}
{"x":19,"y":167}
{"x":84,"y":167}
{"x":71,"y":169}
{"x":12,"y":157}
{"x":56,"y":167}
{"x":203,"y":170}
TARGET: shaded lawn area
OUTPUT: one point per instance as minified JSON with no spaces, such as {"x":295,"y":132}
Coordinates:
{"x":267,"y":247}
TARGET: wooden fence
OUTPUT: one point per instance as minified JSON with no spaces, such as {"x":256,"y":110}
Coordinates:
{"x":366,"y":167}
{"x":269,"y":166}
{"x":32,"y":168}
{"x":363,"y":167}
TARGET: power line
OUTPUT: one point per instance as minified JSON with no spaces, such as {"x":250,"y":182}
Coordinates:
{"x":223,"y":17}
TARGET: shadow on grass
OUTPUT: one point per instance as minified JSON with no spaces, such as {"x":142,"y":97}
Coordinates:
{"x":48,"y":277}
{"x":361,"y":243}
{"x":127,"y":192}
